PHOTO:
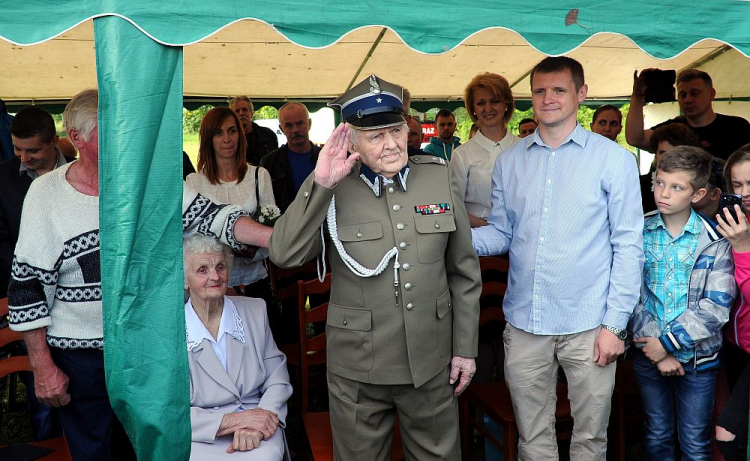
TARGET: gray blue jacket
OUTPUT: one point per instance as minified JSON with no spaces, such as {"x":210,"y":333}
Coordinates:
{"x":710,"y":295}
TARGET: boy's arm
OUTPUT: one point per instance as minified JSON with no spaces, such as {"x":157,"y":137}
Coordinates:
{"x":705,"y":318}
{"x":643,"y":324}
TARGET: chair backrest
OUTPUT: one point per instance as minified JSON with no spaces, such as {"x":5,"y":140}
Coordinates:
{"x":7,"y":335}
{"x":284,"y":281}
{"x":312,"y":311}
{"x":314,"y":291}
{"x":494,"y":270}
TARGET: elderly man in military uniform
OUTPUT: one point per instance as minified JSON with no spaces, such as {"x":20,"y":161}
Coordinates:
{"x":404,"y":308}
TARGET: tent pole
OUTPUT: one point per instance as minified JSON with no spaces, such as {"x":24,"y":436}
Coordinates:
{"x":367,"y":58}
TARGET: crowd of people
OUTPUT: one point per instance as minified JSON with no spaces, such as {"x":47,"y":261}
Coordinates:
{"x":591,"y":278}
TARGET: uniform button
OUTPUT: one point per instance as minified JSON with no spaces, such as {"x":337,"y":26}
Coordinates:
{"x":216,"y":408}
{"x":545,"y":210}
{"x":400,"y":226}
{"x":307,"y":194}
{"x":390,"y":190}
{"x":402,"y":245}
{"x":236,"y":402}
{"x":541,"y":239}
{"x":549,"y":181}
{"x":437,"y":226}
{"x":345,"y":322}
{"x":669,"y":294}
{"x":554,"y":153}
{"x":406,"y":266}
{"x":407,"y":286}
{"x":397,"y":207}
{"x":359,"y":235}
{"x":409,"y":306}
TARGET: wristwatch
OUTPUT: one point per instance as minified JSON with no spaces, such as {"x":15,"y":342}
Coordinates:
{"x":621,"y":333}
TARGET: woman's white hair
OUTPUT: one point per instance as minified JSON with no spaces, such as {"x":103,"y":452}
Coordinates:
{"x":81,"y":113}
{"x":197,"y":243}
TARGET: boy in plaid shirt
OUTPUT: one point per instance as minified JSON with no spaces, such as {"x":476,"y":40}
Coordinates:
{"x":687,"y":292}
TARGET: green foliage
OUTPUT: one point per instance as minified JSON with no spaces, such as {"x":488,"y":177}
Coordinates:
{"x":191,"y":119}
{"x":265,"y":113}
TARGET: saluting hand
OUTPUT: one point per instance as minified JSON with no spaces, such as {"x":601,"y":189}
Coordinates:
{"x":333,"y":164}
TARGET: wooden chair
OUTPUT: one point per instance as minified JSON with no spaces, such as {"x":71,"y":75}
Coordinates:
{"x":317,"y":425}
{"x":59,"y":446}
{"x":493,"y":398}
{"x":284,"y":289}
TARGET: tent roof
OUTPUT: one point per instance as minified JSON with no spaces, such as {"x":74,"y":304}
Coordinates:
{"x":252,"y":57}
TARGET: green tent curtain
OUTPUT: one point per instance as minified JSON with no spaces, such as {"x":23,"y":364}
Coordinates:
{"x":141,"y":237}
{"x":139,"y":66}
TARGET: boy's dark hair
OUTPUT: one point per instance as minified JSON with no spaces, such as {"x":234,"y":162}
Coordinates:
{"x":528,"y":120}
{"x":689,"y":159}
{"x":554,"y":64}
{"x":444,"y":113}
{"x":31,"y":121}
{"x":676,"y":134}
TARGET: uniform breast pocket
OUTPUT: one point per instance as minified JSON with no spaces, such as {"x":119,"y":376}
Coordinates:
{"x":432,"y":236}
{"x":363,"y":242}
{"x":349,"y":336}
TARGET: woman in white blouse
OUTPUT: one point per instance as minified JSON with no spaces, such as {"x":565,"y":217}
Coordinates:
{"x":489,"y":102}
{"x":226,"y":178}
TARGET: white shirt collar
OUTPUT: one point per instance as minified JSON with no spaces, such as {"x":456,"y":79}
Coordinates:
{"x":488,"y":144}
{"x":231,"y":324}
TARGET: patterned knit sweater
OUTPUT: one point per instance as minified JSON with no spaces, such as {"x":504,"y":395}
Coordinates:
{"x":56,"y":274}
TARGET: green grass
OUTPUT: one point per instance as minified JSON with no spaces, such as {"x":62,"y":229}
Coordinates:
{"x":190,"y":144}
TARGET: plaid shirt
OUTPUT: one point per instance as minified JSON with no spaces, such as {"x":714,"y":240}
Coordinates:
{"x":666,"y":273}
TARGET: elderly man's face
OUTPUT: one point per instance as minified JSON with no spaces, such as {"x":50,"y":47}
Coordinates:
{"x":383,"y":150}
{"x":295,"y":124}
{"x":245,"y":113}
{"x":207,"y":276}
{"x":89,"y":148}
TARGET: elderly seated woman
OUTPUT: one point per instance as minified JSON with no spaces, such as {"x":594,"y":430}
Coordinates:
{"x":239,"y":384}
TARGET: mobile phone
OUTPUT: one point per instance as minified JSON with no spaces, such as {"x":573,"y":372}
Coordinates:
{"x":660,"y":85}
{"x":729,"y":201}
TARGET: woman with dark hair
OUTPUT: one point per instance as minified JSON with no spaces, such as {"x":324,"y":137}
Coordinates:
{"x":607,"y":121}
{"x":225,"y":177}
{"x":489,"y":102}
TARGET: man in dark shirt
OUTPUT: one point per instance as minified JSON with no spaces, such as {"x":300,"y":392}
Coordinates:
{"x":34,"y":142}
{"x":719,"y":134}
{"x":293,"y":162}
{"x":260,"y":140}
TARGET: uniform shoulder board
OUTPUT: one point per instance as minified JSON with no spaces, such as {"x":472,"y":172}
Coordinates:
{"x":426,"y":159}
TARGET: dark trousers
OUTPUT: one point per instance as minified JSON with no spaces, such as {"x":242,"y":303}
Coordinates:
{"x":88,"y":419}
{"x":734,"y":419}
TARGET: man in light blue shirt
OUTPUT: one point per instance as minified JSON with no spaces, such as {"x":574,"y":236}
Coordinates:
{"x":566,"y":205}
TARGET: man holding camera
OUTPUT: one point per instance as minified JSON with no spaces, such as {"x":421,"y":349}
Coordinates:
{"x":719,"y":134}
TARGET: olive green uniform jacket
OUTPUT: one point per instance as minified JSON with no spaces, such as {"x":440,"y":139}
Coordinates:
{"x":377,"y":332}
